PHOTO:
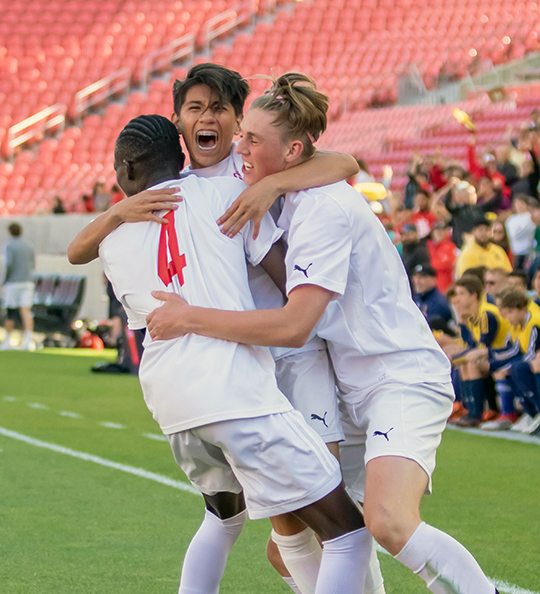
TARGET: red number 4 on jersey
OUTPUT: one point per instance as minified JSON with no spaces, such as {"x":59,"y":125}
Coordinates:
{"x":166,"y":269}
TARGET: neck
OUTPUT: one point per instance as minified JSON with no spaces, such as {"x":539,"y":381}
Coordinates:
{"x":163,"y":175}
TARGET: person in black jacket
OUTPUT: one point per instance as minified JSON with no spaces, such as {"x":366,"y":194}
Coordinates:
{"x":415,"y":252}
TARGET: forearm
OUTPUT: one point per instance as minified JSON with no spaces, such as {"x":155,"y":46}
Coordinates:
{"x":84,"y":248}
{"x":322,"y":169}
{"x":266,"y":327}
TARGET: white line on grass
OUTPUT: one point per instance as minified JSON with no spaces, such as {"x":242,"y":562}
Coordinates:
{"x":508,"y":435}
{"x":71,"y":415}
{"x":158,"y":478}
{"x":38,"y":405}
{"x":155,"y":436}
{"x":112,"y":425}
{"x":503,"y":587}
{"x":9,"y":398}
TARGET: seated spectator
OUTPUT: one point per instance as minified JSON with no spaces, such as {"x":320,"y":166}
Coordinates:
{"x":496,"y":281}
{"x":443,"y":255}
{"x":521,"y":228}
{"x":58,"y":206}
{"x":432,"y":303}
{"x":482,"y":251}
{"x":500,"y":238}
{"x":517,"y":366}
{"x":482,"y":327}
{"x":414,"y":251}
{"x":536,"y":287}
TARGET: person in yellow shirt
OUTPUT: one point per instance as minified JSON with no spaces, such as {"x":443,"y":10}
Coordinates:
{"x":482,"y":327}
{"x":481,"y":251}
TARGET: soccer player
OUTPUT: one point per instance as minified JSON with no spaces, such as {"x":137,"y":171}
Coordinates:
{"x":344,"y":276}
{"x":208,"y":107}
{"x":231,"y":430}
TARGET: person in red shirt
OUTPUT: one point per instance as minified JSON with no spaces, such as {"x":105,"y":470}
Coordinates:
{"x":422,"y":216}
{"x":488,"y":167}
{"x":443,"y":255}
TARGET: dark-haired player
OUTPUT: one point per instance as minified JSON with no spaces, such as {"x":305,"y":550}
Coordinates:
{"x":232,"y":431}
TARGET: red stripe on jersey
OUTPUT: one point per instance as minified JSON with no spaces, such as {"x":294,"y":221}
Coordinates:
{"x":168,"y":239}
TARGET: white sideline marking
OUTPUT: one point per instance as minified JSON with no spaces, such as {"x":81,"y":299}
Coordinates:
{"x":508,"y":435}
{"x":9,"y":398}
{"x":155,"y":436}
{"x":112,"y":425}
{"x":71,"y":415}
{"x":37,"y":405}
{"x":503,"y":587}
{"x":158,"y":478}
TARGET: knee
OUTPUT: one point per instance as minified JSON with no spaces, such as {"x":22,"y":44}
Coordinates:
{"x":391,"y":530}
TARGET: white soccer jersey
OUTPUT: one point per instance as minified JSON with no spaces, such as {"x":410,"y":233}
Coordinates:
{"x":375,"y":332}
{"x":265,"y":293}
{"x":193,"y":380}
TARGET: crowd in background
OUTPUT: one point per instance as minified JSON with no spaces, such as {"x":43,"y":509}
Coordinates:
{"x":470,"y":242}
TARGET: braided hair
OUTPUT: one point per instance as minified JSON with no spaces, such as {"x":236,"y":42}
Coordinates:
{"x":299,"y":107}
{"x":150,"y":141}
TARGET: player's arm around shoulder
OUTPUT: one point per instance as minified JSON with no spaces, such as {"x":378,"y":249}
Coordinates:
{"x":139,"y":207}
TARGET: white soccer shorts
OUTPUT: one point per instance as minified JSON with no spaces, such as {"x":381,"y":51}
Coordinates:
{"x":18,"y":295}
{"x":307,"y":380}
{"x":394,"y":420}
{"x":279,"y":462}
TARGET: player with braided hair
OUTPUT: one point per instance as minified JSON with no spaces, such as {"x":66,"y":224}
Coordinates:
{"x":344,"y":276}
{"x":232,"y":431}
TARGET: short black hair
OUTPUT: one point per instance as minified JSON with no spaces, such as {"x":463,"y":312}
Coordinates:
{"x":521,"y":274}
{"x":151,"y":140}
{"x":514,"y":299}
{"x":228,"y":85}
{"x":472,"y":284}
{"x":15,"y":230}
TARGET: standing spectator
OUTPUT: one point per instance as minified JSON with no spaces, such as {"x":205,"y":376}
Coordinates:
{"x":431,"y":302}
{"x":504,"y":166}
{"x":102,"y":198}
{"x":58,"y":206}
{"x":529,"y":177}
{"x":422,"y":216}
{"x":487,"y":168}
{"x":363,"y":175}
{"x":500,"y":238}
{"x":496,"y":280}
{"x":443,"y":255}
{"x":521,"y":229}
{"x":461,"y":203}
{"x":88,"y":203}
{"x":18,"y":285}
{"x":482,"y":251}
{"x":414,"y":251}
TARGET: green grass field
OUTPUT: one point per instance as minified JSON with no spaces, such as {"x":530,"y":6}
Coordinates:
{"x":68,"y":525}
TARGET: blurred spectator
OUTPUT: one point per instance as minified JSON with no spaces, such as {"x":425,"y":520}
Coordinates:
{"x":102,"y":198}
{"x":116,"y":194}
{"x":536,"y":287}
{"x":414,"y":251}
{"x":88,"y":203}
{"x":504,"y":166}
{"x":443,"y":255}
{"x":418,"y":180}
{"x":487,"y":167}
{"x":432,"y":303}
{"x":521,"y":229}
{"x":422,"y":216}
{"x":482,"y":251}
{"x":496,"y":281}
{"x":18,"y":285}
{"x":363,"y":175}
{"x":500,"y":238}
{"x":58,"y":206}
{"x":488,"y":192}
{"x":518,"y":281}
{"x":461,"y":203}
{"x":529,"y":177}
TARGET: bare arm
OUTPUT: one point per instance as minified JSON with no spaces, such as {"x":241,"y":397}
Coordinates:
{"x":322,"y":169}
{"x":140,"y":207}
{"x":289,"y":326}
{"x":274,"y":265}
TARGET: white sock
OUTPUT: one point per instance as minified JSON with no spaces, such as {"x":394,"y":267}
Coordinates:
{"x":292,"y":585}
{"x":345,"y":563}
{"x":443,"y":563}
{"x":301,"y":554}
{"x":207,"y":553}
{"x":374,"y":583}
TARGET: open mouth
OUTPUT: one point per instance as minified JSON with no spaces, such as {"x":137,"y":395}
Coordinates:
{"x":247,"y":166}
{"x":206,"y":139}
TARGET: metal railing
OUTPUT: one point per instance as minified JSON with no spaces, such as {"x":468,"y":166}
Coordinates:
{"x":163,"y":58}
{"x":224,"y":22}
{"x":116,"y":83}
{"x":35,"y":126}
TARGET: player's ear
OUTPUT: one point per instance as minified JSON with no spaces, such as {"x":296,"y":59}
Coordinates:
{"x":294,"y":150}
{"x":239,"y":119}
{"x":176,"y":121}
{"x":130,"y":169}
